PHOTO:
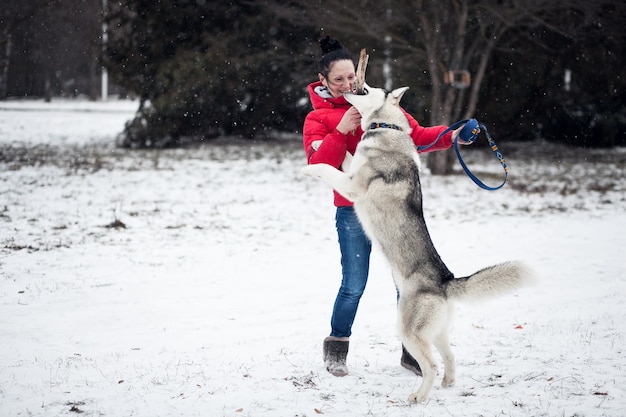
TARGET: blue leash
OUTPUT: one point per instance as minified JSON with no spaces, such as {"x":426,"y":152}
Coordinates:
{"x":469,"y":133}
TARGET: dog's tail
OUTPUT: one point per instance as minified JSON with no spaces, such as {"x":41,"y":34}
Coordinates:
{"x":490,"y":282}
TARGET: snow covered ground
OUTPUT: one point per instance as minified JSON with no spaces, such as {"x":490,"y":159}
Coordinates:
{"x":200,"y":282}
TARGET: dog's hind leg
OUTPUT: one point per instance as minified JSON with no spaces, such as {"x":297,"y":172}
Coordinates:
{"x":442,"y":344}
{"x":420,"y":349}
{"x":420,"y":323}
{"x":340,"y":181}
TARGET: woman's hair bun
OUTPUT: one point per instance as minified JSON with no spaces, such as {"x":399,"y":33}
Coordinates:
{"x":329,"y":44}
{"x":332,"y":51}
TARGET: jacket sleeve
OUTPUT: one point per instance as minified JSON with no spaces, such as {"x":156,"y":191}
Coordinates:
{"x":332,"y":151}
{"x":423,"y":136}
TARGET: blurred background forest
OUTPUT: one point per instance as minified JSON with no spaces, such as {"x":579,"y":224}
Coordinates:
{"x":203,"y":69}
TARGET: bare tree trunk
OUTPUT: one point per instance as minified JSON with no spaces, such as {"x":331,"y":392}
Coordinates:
{"x":444,"y":97}
{"x":431,"y":30}
{"x":6,"y":59}
{"x":94,"y":79}
{"x":479,"y":76}
{"x":47,"y":86}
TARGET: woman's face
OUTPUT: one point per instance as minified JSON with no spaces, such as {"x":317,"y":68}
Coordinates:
{"x":340,"y":78}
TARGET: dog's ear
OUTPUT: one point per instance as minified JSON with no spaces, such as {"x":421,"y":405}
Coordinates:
{"x":396,"y":94}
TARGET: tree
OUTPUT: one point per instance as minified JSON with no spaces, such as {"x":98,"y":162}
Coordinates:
{"x":570,"y":89}
{"x":440,"y":36}
{"x":13,"y":14}
{"x":49,"y":47}
{"x":203,"y":69}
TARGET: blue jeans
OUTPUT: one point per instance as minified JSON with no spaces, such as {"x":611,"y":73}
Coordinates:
{"x":355,"y":249}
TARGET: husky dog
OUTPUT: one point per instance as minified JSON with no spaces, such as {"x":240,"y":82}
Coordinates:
{"x":383,"y":182}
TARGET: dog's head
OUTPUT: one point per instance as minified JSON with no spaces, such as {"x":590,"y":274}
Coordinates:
{"x":379,"y":106}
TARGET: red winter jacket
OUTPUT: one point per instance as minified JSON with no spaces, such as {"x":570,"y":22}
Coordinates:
{"x":321,"y":124}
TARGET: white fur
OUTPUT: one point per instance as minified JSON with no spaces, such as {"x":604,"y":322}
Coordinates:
{"x":383,"y":183}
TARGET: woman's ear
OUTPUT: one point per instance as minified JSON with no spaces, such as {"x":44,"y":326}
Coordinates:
{"x":321,"y":77}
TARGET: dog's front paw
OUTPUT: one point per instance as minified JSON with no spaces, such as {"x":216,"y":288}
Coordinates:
{"x":308,"y":171}
{"x":313,"y":170}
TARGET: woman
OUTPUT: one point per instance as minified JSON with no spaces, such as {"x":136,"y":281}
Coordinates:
{"x":330,"y":130}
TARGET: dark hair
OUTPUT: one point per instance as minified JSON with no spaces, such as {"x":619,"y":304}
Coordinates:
{"x":332,"y":51}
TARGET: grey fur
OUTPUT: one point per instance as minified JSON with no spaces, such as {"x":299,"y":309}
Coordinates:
{"x":382,"y":179}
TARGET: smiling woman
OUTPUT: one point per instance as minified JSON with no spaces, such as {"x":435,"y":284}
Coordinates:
{"x":336,"y":124}
{"x":340,"y":78}
{"x":336,"y":67}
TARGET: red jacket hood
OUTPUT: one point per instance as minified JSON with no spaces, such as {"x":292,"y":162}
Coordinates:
{"x":319,"y":102}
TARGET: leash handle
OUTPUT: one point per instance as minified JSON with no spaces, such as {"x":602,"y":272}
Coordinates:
{"x":469,"y":134}
{"x":496,"y":152}
{"x":470,"y":131}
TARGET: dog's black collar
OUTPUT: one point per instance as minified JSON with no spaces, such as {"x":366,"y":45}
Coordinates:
{"x":385,"y":126}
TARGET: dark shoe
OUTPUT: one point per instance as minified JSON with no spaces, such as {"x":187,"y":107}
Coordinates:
{"x":335,"y":354}
{"x":407,"y":361}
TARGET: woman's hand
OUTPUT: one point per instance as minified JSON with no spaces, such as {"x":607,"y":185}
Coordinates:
{"x":455,"y":134}
{"x":350,"y":121}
